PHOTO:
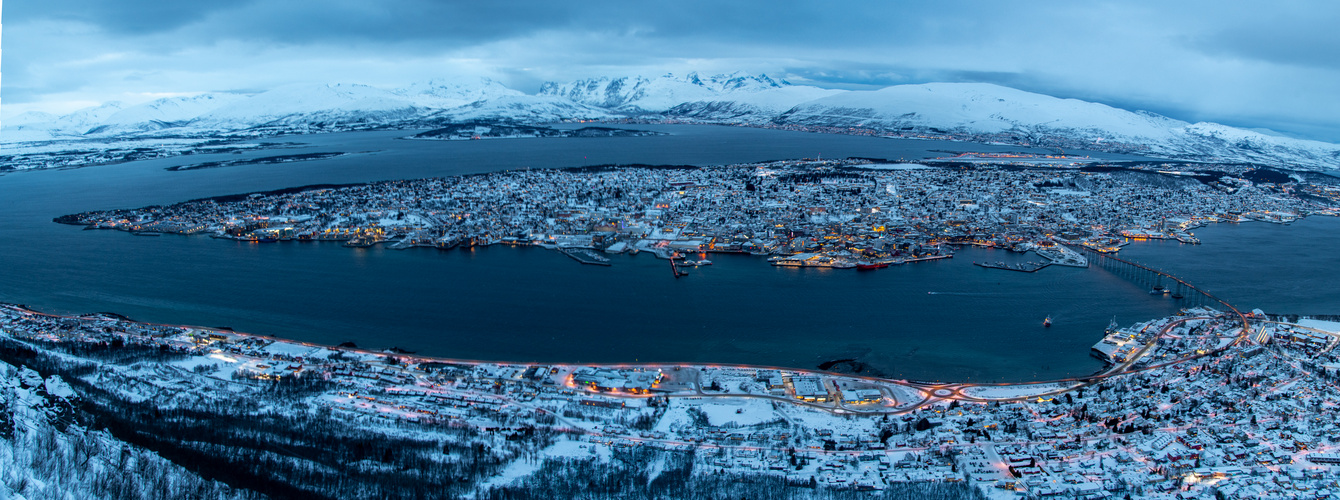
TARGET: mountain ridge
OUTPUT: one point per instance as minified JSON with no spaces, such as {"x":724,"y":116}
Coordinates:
{"x":978,"y":112}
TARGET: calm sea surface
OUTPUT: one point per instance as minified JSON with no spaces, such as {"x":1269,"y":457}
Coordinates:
{"x":945,"y":320}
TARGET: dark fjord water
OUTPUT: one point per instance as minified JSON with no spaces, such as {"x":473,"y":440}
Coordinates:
{"x":530,"y":304}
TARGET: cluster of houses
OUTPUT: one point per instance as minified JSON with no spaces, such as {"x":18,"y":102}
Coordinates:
{"x":832,"y":212}
{"x":1257,"y":418}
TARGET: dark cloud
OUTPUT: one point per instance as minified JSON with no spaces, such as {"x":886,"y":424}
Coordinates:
{"x":120,"y":16}
{"x":1290,"y":36}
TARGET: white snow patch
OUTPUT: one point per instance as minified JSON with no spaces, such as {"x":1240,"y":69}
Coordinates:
{"x":1014,"y":391}
{"x":290,"y":349}
{"x":1329,"y":326}
{"x":521,"y":468}
{"x":58,"y":388}
{"x":741,"y":411}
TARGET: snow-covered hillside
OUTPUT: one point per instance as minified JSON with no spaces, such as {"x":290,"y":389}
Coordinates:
{"x":657,"y":95}
{"x":963,"y":111}
{"x":45,"y":453}
{"x":523,"y":108}
{"x":1007,"y":114}
{"x":163,"y":113}
{"x":451,"y":93}
{"x":975,"y":107}
{"x":752,"y":107}
{"x":311,"y":104}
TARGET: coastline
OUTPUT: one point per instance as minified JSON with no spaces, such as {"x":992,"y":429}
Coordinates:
{"x":930,"y":391}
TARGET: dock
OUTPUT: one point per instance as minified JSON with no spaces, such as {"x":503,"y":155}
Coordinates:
{"x":929,"y":257}
{"x":1023,"y":267}
{"x":589,"y":257}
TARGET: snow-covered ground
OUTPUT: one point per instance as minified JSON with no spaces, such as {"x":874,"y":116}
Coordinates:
{"x":1329,"y":326}
{"x":532,"y":418}
{"x":1015,"y":391}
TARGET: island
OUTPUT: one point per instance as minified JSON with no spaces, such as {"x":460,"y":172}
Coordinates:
{"x":854,"y":213}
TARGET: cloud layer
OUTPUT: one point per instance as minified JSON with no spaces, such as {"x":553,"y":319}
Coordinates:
{"x":1267,"y":65}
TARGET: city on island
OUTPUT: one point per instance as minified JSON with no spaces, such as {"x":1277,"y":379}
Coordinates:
{"x":1205,"y":402}
{"x":850,"y":213}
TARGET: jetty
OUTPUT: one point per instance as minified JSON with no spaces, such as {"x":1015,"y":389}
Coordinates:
{"x":1024,"y":267}
{"x":586,"y":256}
{"x":927,"y":258}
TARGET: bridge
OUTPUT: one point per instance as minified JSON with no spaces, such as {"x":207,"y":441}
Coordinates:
{"x":1148,"y":276}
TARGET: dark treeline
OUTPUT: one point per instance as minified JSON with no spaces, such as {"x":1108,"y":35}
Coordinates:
{"x":261,"y":440}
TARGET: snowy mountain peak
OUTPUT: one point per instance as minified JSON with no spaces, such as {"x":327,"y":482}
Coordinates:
{"x":29,"y":118}
{"x":639,"y":94}
{"x":90,"y":117}
{"x":308,"y":103}
{"x":172,"y":109}
{"x":452,"y":92}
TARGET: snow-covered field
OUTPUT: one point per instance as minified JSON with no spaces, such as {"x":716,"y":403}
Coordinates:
{"x":1329,"y":326}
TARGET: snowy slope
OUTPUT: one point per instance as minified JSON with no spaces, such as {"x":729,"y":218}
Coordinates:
{"x":1215,"y":139}
{"x":451,"y":93}
{"x":642,"y":95}
{"x":45,"y":454}
{"x":39,"y":126}
{"x":163,"y":113}
{"x":172,"y":109}
{"x":522,"y":108}
{"x":971,"y":108}
{"x":977,"y":107}
{"x":312,"y":105}
{"x":30,"y":118}
{"x":80,"y":121}
{"x":750,"y":107}
{"x":969,"y":111}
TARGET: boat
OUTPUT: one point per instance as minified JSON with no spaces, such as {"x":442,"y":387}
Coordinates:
{"x":867,"y":266}
{"x":1047,"y":322}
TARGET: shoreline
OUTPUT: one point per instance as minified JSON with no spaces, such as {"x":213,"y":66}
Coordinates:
{"x":931,"y":392}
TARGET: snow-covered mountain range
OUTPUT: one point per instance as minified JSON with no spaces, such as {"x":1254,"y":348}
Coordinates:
{"x":965,"y":111}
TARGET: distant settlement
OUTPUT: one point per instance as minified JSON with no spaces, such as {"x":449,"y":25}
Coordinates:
{"x":809,"y":213}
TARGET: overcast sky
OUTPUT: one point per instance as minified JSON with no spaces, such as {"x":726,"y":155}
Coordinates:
{"x":1250,"y":64}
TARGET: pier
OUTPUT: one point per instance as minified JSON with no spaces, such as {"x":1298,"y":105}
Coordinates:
{"x":927,"y":258}
{"x":1026,"y":267}
{"x":585,"y":256}
{"x":674,"y":268}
